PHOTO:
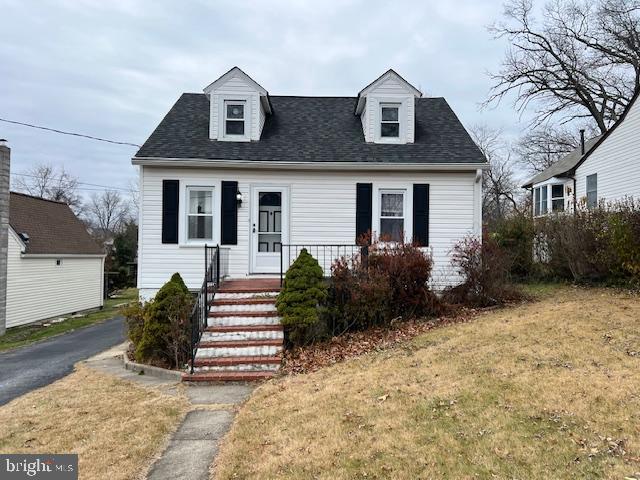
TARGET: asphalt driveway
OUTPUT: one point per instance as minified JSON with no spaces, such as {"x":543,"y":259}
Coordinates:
{"x":34,"y":366}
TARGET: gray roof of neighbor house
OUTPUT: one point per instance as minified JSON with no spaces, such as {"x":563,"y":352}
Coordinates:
{"x":563,"y":165}
{"x":51,"y":226}
{"x":312,"y":129}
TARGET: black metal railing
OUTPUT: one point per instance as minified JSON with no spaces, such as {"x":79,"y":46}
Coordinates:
{"x":210,"y":284}
{"x":325,"y":254}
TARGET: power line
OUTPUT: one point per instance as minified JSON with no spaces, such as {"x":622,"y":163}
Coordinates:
{"x":79,"y":183}
{"x":68,"y":133}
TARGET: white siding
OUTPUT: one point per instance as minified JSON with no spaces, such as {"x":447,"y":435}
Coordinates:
{"x":322,"y":210}
{"x":37,"y":288}
{"x":236,"y":88}
{"x":616,"y":161}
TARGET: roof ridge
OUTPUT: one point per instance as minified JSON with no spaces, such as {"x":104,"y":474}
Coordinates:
{"x":38,"y":198}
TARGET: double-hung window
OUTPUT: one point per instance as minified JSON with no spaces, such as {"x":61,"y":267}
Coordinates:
{"x":540,"y":201}
{"x":199,"y":213}
{"x":592,"y":190}
{"x":557,"y":198}
{"x":234,"y":118}
{"x":389,"y":120}
{"x":392,"y":212}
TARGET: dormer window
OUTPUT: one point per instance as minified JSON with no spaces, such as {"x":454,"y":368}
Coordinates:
{"x":234,"y":120}
{"x":389,"y":120}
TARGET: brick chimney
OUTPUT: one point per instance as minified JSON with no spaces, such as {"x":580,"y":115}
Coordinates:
{"x":5,"y":157}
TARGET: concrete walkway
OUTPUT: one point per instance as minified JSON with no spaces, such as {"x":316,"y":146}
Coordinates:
{"x":193,"y":447}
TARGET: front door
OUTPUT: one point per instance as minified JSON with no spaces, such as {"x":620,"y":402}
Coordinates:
{"x":269,"y":227}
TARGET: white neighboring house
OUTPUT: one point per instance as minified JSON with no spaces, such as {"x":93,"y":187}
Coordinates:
{"x":605,"y":170}
{"x":54,"y":267}
{"x":257,"y":173}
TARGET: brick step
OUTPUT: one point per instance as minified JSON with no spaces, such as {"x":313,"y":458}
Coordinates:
{"x":243,"y":328}
{"x":249,"y":376}
{"x":229,"y":361}
{"x":244,"y":313}
{"x":241,"y":343}
{"x":243,"y":301}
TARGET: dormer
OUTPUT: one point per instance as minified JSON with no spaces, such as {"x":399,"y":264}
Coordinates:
{"x":387,"y":109}
{"x":238,"y":107}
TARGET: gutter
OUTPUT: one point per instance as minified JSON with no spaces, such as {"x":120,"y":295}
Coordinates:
{"x":276,"y":165}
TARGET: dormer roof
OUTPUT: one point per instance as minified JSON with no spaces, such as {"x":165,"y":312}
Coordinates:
{"x":389,"y":74}
{"x":237,"y":72}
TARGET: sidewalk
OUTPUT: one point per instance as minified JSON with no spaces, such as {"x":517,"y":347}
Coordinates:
{"x":193,"y":447}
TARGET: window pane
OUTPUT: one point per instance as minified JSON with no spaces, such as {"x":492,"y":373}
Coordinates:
{"x":389,"y":129}
{"x":543,"y":200}
{"x":592,"y":200}
{"x":592,"y":183}
{"x":536,"y":201}
{"x":200,"y":201}
{"x":235,"y":127}
{"x":235,"y":111}
{"x":389,"y":114}
{"x":391,"y":229}
{"x":557,"y":191}
{"x":200,"y":227}
{"x":391,"y":205}
{"x":557,"y":205}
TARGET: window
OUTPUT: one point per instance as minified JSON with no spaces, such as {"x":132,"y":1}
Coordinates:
{"x":199,"y":213}
{"x":557,"y":198}
{"x":389,"y":121}
{"x":392,"y":215}
{"x":592,"y":190}
{"x":234,"y":118}
{"x":540,"y":201}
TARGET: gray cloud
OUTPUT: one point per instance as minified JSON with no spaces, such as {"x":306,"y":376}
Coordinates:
{"x":113,"y":69}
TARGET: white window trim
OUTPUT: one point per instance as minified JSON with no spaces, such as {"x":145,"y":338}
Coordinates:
{"x":184,"y":215}
{"x":552,"y":198}
{"x":223,"y":100}
{"x":405,"y":215}
{"x":401,"y":103}
{"x":382,"y":105}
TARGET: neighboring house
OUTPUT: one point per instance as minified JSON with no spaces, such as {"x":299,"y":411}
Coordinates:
{"x":256,"y":173}
{"x":604,"y":169}
{"x":54,"y":267}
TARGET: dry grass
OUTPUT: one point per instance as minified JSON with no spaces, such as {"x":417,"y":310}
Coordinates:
{"x":114,"y":426}
{"x":546,"y":390}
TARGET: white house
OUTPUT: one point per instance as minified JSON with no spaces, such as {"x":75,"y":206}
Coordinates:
{"x":53,"y":266}
{"x":264,"y":175}
{"x":605,"y":169}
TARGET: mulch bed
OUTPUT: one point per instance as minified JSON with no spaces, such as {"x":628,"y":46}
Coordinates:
{"x":313,"y":357}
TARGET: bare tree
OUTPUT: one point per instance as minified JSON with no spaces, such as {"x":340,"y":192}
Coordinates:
{"x":580,"y":62}
{"x":109,"y":211}
{"x":501,"y":194}
{"x":46,"y":181}
{"x":541,"y":147}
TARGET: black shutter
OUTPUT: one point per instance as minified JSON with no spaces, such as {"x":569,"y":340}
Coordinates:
{"x":364,"y":192}
{"x":421,"y":214}
{"x":229,"y":213}
{"x":170,"y":198}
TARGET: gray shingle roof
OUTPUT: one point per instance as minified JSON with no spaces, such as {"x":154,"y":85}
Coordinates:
{"x":52,"y":227}
{"x":312,"y":129}
{"x":563,"y":165}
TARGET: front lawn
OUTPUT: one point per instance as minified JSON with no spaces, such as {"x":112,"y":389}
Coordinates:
{"x":19,"y":336}
{"x":117,"y":428}
{"x":550,"y":389}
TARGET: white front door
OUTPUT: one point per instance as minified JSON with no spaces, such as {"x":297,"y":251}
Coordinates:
{"x":269,"y":226}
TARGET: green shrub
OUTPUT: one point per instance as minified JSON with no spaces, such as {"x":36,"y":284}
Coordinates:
{"x":160,"y":330}
{"x":304,"y":288}
{"x":515,"y":235}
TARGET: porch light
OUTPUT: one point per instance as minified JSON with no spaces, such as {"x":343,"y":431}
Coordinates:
{"x":239,"y":198}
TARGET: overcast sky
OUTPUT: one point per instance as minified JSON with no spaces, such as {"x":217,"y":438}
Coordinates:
{"x":113,"y":68}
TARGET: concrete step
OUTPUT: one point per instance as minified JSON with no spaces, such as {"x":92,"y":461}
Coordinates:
{"x":244,"y":313}
{"x":238,"y":364}
{"x":239,"y":348}
{"x":229,"y":321}
{"x":214,"y":377}
{"x":241,"y":335}
{"x":243,"y":307}
{"x":243,"y":301}
{"x":246,"y":295}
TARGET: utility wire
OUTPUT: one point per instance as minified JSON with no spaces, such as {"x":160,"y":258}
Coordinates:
{"x":68,"y":133}
{"x":102,"y":187}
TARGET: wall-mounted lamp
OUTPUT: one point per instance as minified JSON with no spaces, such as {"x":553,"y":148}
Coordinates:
{"x":239,"y":198}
